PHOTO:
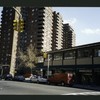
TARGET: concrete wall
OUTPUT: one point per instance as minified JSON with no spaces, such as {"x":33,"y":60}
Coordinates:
{"x":46,"y":63}
{"x":96,"y":60}
{"x":57,"y":62}
{"x":83,"y":61}
{"x":69,"y":62}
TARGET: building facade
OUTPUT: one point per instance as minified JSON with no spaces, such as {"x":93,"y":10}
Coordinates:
{"x":68,"y":36}
{"x":8,"y":39}
{"x":83,"y":61}
{"x":57,"y":31}
{"x":43,"y":29}
{"x":6,"y":35}
{"x":38,"y":28}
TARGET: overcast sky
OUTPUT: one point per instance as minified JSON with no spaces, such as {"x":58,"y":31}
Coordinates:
{"x":84,"y":20}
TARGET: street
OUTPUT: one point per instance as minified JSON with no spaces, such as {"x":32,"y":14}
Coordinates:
{"x":22,"y":88}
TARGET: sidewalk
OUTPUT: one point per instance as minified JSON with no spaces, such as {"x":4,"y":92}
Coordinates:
{"x":96,"y":88}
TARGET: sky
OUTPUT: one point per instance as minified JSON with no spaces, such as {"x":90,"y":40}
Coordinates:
{"x":84,"y":20}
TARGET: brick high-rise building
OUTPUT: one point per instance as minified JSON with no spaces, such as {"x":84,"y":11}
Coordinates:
{"x":6,"y":35}
{"x":43,"y":29}
{"x":68,"y":36}
{"x":57,"y":31}
{"x":38,"y":31}
{"x":7,"y":38}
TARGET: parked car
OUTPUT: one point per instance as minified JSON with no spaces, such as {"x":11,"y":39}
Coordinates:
{"x":38,"y":79}
{"x":34,"y":78}
{"x":42,"y":79}
{"x":19,"y":78}
{"x":27,"y":79}
{"x":61,"y":78}
{"x":8,"y":77}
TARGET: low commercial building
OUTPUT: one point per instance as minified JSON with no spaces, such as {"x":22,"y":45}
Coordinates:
{"x":83,"y":61}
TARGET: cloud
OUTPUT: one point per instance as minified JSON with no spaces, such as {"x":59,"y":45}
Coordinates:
{"x":90,"y":31}
{"x":71,"y":21}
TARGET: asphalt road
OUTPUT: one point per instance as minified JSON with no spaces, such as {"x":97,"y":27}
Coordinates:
{"x":22,"y":88}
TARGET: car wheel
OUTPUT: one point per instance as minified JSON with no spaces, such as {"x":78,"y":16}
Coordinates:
{"x":10,"y":79}
{"x":37,"y":81}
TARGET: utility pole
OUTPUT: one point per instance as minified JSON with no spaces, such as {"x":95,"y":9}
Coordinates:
{"x":18,"y":27}
{"x":46,"y":55}
{"x":48,"y":67}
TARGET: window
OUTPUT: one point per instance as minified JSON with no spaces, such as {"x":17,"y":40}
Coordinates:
{"x":5,"y":22}
{"x":8,"y":34}
{"x":9,"y":29}
{"x":10,"y":9}
{"x":25,"y":41}
{"x":35,"y":20}
{"x":8,"y":38}
{"x":6,"y":10}
{"x":31,"y":36}
{"x":84,"y":53}
{"x":3,"y":47}
{"x":57,"y":56}
{"x":32,"y":10}
{"x":69,"y":55}
{"x":97,"y":52}
{"x":10,"y":14}
{"x":30,"y":41}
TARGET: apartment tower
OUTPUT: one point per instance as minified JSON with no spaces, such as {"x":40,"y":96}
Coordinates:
{"x":38,"y":32}
{"x":6,"y":35}
{"x":38,"y":28}
{"x":57,"y":31}
{"x":68,"y":36}
{"x":44,"y":29}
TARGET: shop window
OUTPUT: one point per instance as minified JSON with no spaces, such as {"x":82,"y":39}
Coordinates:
{"x":84,"y":53}
{"x":57,"y":56}
{"x":69,"y":55}
{"x":97,"y":52}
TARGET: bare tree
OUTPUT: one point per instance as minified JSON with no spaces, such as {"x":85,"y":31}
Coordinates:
{"x":31,"y":57}
{"x":28,"y":58}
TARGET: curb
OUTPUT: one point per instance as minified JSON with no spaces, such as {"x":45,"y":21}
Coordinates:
{"x":96,"y":88}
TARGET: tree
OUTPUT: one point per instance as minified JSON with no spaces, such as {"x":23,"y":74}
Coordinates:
{"x":27,"y":58}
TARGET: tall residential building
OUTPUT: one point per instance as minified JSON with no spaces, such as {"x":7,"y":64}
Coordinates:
{"x":7,"y":38}
{"x":43,"y":29}
{"x":38,"y":31}
{"x":57,"y":31}
{"x":38,"y":28}
{"x":68,"y":36}
{"x":6,"y":35}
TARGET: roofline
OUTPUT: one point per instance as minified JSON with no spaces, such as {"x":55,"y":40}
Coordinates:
{"x":78,"y":47}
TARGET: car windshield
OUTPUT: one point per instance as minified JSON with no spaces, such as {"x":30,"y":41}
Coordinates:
{"x":35,"y":76}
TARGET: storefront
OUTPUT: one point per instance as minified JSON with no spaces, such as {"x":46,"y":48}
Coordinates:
{"x":96,"y":76}
{"x":84,"y":76}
